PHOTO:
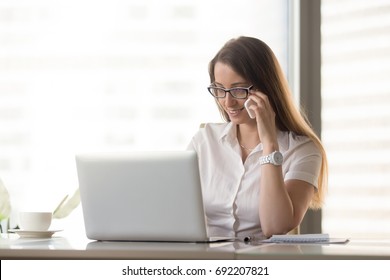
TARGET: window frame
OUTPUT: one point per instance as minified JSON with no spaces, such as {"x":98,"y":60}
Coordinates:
{"x":305,"y":75}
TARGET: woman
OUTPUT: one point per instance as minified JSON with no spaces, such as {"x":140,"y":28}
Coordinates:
{"x":259,"y":175}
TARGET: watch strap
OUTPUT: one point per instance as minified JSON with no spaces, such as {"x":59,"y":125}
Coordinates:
{"x":270,"y":159}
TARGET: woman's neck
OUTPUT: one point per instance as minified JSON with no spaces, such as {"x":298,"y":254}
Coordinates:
{"x":247,"y":136}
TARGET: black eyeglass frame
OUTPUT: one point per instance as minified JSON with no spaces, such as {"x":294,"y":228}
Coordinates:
{"x":247,"y":89}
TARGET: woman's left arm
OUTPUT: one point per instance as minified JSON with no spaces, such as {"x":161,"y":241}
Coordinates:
{"x":282,"y":205}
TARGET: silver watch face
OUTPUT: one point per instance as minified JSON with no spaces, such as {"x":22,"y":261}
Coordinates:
{"x":277,"y":158}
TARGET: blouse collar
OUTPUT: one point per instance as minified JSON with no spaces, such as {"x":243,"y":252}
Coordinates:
{"x":229,"y":134}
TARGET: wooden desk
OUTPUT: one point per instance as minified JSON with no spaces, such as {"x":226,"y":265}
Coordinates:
{"x":60,"y":247}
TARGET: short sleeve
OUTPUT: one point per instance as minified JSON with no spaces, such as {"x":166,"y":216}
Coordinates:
{"x":303,"y":162}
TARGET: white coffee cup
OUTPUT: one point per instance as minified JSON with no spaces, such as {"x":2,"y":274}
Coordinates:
{"x":35,"y":221}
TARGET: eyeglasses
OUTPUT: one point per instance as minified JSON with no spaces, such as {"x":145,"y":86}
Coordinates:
{"x":237,"y":92}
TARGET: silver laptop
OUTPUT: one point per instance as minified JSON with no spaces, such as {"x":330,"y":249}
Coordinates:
{"x":142,"y":196}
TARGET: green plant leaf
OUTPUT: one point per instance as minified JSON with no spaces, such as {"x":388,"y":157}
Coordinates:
{"x":5,"y":204}
{"x":67,"y":205}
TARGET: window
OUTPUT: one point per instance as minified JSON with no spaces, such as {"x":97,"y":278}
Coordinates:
{"x":356,"y":116}
{"x":110,"y":75}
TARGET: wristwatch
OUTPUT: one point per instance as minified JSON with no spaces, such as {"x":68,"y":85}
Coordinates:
{"x":276,"y":158}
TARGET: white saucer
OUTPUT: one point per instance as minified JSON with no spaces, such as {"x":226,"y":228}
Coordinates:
{"x":33,"y":233}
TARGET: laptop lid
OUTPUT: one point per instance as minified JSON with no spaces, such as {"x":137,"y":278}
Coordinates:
{"x":142,"y":196}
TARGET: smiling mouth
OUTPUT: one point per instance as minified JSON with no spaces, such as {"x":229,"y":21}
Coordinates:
{"x":236,"y":110}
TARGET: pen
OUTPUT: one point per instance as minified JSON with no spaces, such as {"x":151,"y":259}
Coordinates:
{"x":249,"y":238}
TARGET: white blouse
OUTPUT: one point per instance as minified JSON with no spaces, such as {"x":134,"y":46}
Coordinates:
{"x":231,"y":188}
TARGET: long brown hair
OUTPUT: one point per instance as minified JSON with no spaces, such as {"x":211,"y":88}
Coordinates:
{"x":254,"y":60}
